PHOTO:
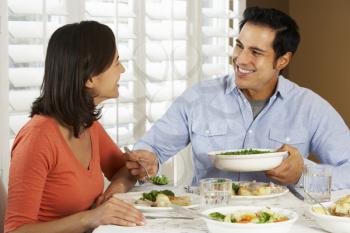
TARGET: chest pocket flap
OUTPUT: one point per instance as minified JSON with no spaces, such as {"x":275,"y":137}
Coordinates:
{"x":288,"y":136}
{"x":217,"y":128}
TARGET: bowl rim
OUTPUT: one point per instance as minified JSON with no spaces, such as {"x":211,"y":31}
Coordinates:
{"x":294,"y":215}
{"x":272,"y":154}
{"x":327,"y":217}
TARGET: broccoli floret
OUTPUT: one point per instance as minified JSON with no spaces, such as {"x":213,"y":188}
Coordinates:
{"x":151,"y":196}
{"x":159,"y":180}
{"x":235,"y":187}
{"x":168,"y":193}
{"x":264,"y":217}
{"x":217,"y":216}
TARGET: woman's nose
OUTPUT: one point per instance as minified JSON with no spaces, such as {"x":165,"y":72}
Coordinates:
{"x":123,"y":69}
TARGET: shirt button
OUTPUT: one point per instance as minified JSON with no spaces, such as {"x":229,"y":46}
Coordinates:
{"x":250,"y":131}
{"x":287,"y":139}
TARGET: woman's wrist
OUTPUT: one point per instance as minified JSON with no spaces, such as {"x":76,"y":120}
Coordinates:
{"x":86,"y":220}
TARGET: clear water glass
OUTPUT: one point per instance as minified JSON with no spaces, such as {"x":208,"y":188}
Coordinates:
{"x":215,"y":192}
{"x":317,"y":183}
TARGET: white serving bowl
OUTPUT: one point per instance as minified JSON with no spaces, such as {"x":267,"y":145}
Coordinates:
{"x":248,"y":162}
{"x":331,"y":223}
{"x":215,"y":226}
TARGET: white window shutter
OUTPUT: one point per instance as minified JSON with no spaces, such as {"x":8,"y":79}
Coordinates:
{"x":164,"y":52}
{"x":30,"y":24}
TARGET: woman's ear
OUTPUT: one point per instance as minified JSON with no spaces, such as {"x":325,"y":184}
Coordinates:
{"x":284,"y":60}
{"x":89,"y":83}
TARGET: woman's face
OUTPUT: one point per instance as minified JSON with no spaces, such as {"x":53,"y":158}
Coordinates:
{"x":105,"y":85}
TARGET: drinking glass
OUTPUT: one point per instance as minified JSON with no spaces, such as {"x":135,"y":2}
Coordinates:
{"x":317,"y":183}
{"x":215,"y":192}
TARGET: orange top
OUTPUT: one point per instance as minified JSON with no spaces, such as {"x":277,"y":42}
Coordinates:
{"x":47,"y":182}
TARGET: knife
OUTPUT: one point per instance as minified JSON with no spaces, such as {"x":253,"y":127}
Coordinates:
{"x":168,"y":217}
{"x":295,"y":192}
{"x":187,"y":212}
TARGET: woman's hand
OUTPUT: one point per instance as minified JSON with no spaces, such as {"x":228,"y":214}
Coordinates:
{"x":117,"y":212}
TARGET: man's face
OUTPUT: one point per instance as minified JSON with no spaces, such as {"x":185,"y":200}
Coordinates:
{"x":254,"y":61}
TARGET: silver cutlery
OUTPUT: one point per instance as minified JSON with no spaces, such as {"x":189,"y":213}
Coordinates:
{"x":187,"y":212}
{"x":168,"y":217}
{"x":127,"y":150}
{"x":325,"y":210}
{"x":295,"y":192}
{"x":191,"y":189}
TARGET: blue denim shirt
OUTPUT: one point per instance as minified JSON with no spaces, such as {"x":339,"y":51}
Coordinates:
{"x":215,"y":115}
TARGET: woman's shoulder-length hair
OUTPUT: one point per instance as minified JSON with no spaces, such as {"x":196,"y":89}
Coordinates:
{"x":75,"y":53}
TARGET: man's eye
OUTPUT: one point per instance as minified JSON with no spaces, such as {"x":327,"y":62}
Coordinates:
{"x":256,"y":53}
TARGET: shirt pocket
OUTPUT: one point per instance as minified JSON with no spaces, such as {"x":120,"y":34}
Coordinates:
{"x":210,"y":130}
{"x":288,"y":136}
{"x":208,"y":136}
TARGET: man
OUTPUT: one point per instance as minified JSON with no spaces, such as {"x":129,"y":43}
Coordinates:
{"x":254,"y":108}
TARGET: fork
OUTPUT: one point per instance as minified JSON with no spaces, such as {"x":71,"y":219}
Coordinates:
{"x":325,"y":210}
{"x":127,"y":150}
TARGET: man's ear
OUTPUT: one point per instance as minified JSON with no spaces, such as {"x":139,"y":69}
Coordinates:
{"x":283,"y":61}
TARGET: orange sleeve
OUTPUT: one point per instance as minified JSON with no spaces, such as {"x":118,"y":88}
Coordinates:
{"x":32,"y":158}
{"x":111,"y":157}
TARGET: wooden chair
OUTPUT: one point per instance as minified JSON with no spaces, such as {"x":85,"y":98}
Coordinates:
{"x":3,"y":198}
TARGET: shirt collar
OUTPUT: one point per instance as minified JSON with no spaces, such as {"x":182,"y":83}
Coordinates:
{"x":282,"y":89}
{"x":230,"y":84}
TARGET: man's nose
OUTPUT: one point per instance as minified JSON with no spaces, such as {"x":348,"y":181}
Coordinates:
{"x":242,"y":57}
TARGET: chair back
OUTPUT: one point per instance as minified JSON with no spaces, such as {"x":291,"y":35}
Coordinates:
{"x":3,"y":198}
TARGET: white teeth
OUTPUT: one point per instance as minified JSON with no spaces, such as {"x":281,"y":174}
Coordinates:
{"x":244,"y":70}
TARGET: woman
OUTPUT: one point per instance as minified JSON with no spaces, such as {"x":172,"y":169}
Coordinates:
{"x":59,"y":157}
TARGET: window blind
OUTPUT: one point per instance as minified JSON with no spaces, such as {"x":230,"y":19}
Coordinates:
{"x":165,"y":46}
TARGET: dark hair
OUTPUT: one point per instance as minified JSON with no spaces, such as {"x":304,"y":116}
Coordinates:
{"x":75,"y":53}
{"x":287,"y":31}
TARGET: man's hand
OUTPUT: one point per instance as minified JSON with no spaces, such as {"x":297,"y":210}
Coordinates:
{"x":291,"y":168}
{"x":148,"y":159}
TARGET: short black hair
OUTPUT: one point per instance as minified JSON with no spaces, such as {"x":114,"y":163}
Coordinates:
{"x":287,"y":31}
{"x":75,"y":53}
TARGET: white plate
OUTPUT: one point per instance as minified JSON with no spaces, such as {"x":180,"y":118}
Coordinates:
{"x":131,"y":197}
{"x":248,"y":162}
{"x":330,"y":223}
{"x":280,"y":190}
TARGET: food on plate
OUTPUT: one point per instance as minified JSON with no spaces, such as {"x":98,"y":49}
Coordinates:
{"x":246,"y":152}
{"x":163,"y":198}
{"x":159,"y":180}
{"x":255,"y":188}
{"x":339,"y":208}
{"x":244,"y":216}
{"x":152,"y":195}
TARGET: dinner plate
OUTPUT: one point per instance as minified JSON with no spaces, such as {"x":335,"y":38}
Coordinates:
{"x":278,"y":190}
{"x":132,"y":197}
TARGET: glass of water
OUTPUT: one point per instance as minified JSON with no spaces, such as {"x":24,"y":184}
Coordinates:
{"x":317,"y":183}
{"x":215,"y":192}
